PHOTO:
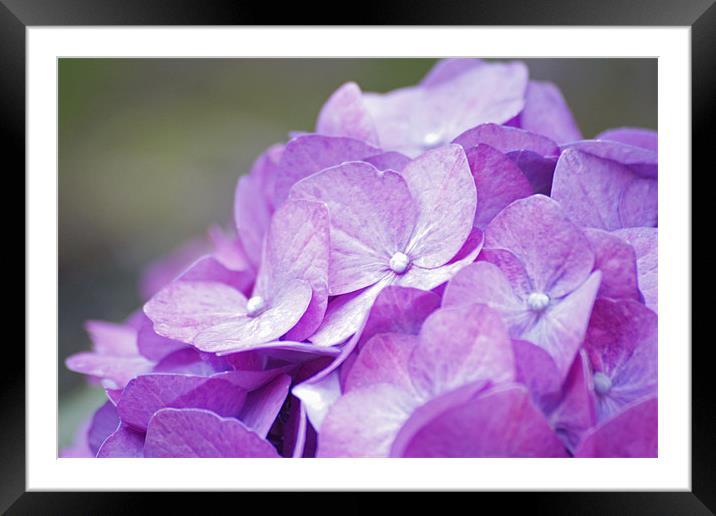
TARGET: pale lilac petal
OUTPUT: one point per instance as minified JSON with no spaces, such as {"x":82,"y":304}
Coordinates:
{"x":112,"y":339}
{"x":513,"y":269}
{"x":411,"y":120}
{"x":209,"y":268}
{"x":498,"y":182}
{"x":442,"y":186}
{"x":252,"y":215}
{"x":185,"y":361}
{"x":183,"y":309}
{"x":311,"y":153}
{"x":388,"y":161}
{"x":485,"y":283}
{"x":263,"y":405}
{"x":556,"y":254}
{"x":146,"y":394}
{"x":117,"y":370}
{"x":383,"y":359}
{"x":104,"y":422}
{"x":228,"y":250}
{"x":345,"y":114}
{"x":162,"y":271}
{"x":461,"y":345}
{"x":560,"y":329}
{"x":123,"y":443}
{"x":645,"y":243}
{"x":616,"y":260}
{"x":499,"y":423}
{"x":317,"y":397}
{"x":631,"y":433}
{"x":239,"y":332}
{"x":547,"y":113}
{"x":364,"y":423}
{"x":594,"y":192}
{"x":429,"y":279}
{"x":201,"y":433}
{"x":372,"y":217}
{"x":644,"y":138}
{"x":297,"y":248}
{"x":447,"y":69}
{"x":643,"y":162}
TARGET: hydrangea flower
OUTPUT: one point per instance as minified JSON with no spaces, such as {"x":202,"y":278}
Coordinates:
{"x":445,"y":270}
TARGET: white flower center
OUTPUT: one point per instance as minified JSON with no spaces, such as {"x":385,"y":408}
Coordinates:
{"x":602,"y":383}
{"x":537,"y":301}
{"x":255,"y":305}
{"x":399,"y":263}
{"x":431,"y":139}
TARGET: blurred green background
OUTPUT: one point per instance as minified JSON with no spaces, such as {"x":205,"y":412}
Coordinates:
{"x":150,"y":151}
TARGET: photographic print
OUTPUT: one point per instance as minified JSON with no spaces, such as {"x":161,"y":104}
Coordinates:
{"x":297,"y":258}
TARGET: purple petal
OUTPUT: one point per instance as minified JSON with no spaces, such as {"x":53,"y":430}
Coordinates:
{"x":185,"y":361}
{"x":499,"y":423}
{"x":383,"y":359}
{"x":604,"y":194}
{"x":372,"y":217}
{"x":641,"y":161}
{"x":546,"y":112}
{"x":161,"y":272}
{"x":622,"y":346}
{"x":631,"y":433}
{"x":263,"y":405}
{"x":104,"y":422}
{"x":644,"y":138}
{"x":644,"y":241}
{"x":507,"y":139}
{"x":535,"y":368}
{"x":239,"y":332}
{"x":555,"y":253}
{"x":461,"y":345}
{"x":311,"y":153}
{"x":574,"y":414}
{"x":123,"y":443}
{"x":345,"y":114}
{"x":208,"y":268}
{"x":498,"y":182}
{"x":146,"y":394}
{"x":616,"y":260}
{"x":443,"y":188}
{"x":399,"y":310}
{"x":388,"y":161}
{"x":154,"y":346}
{"x":200,"y":433}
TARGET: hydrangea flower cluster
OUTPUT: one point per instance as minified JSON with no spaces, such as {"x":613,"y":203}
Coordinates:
{"x":445,"y":270}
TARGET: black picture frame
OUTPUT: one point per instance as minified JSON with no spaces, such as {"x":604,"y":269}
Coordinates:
{"x":17,"y":15}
